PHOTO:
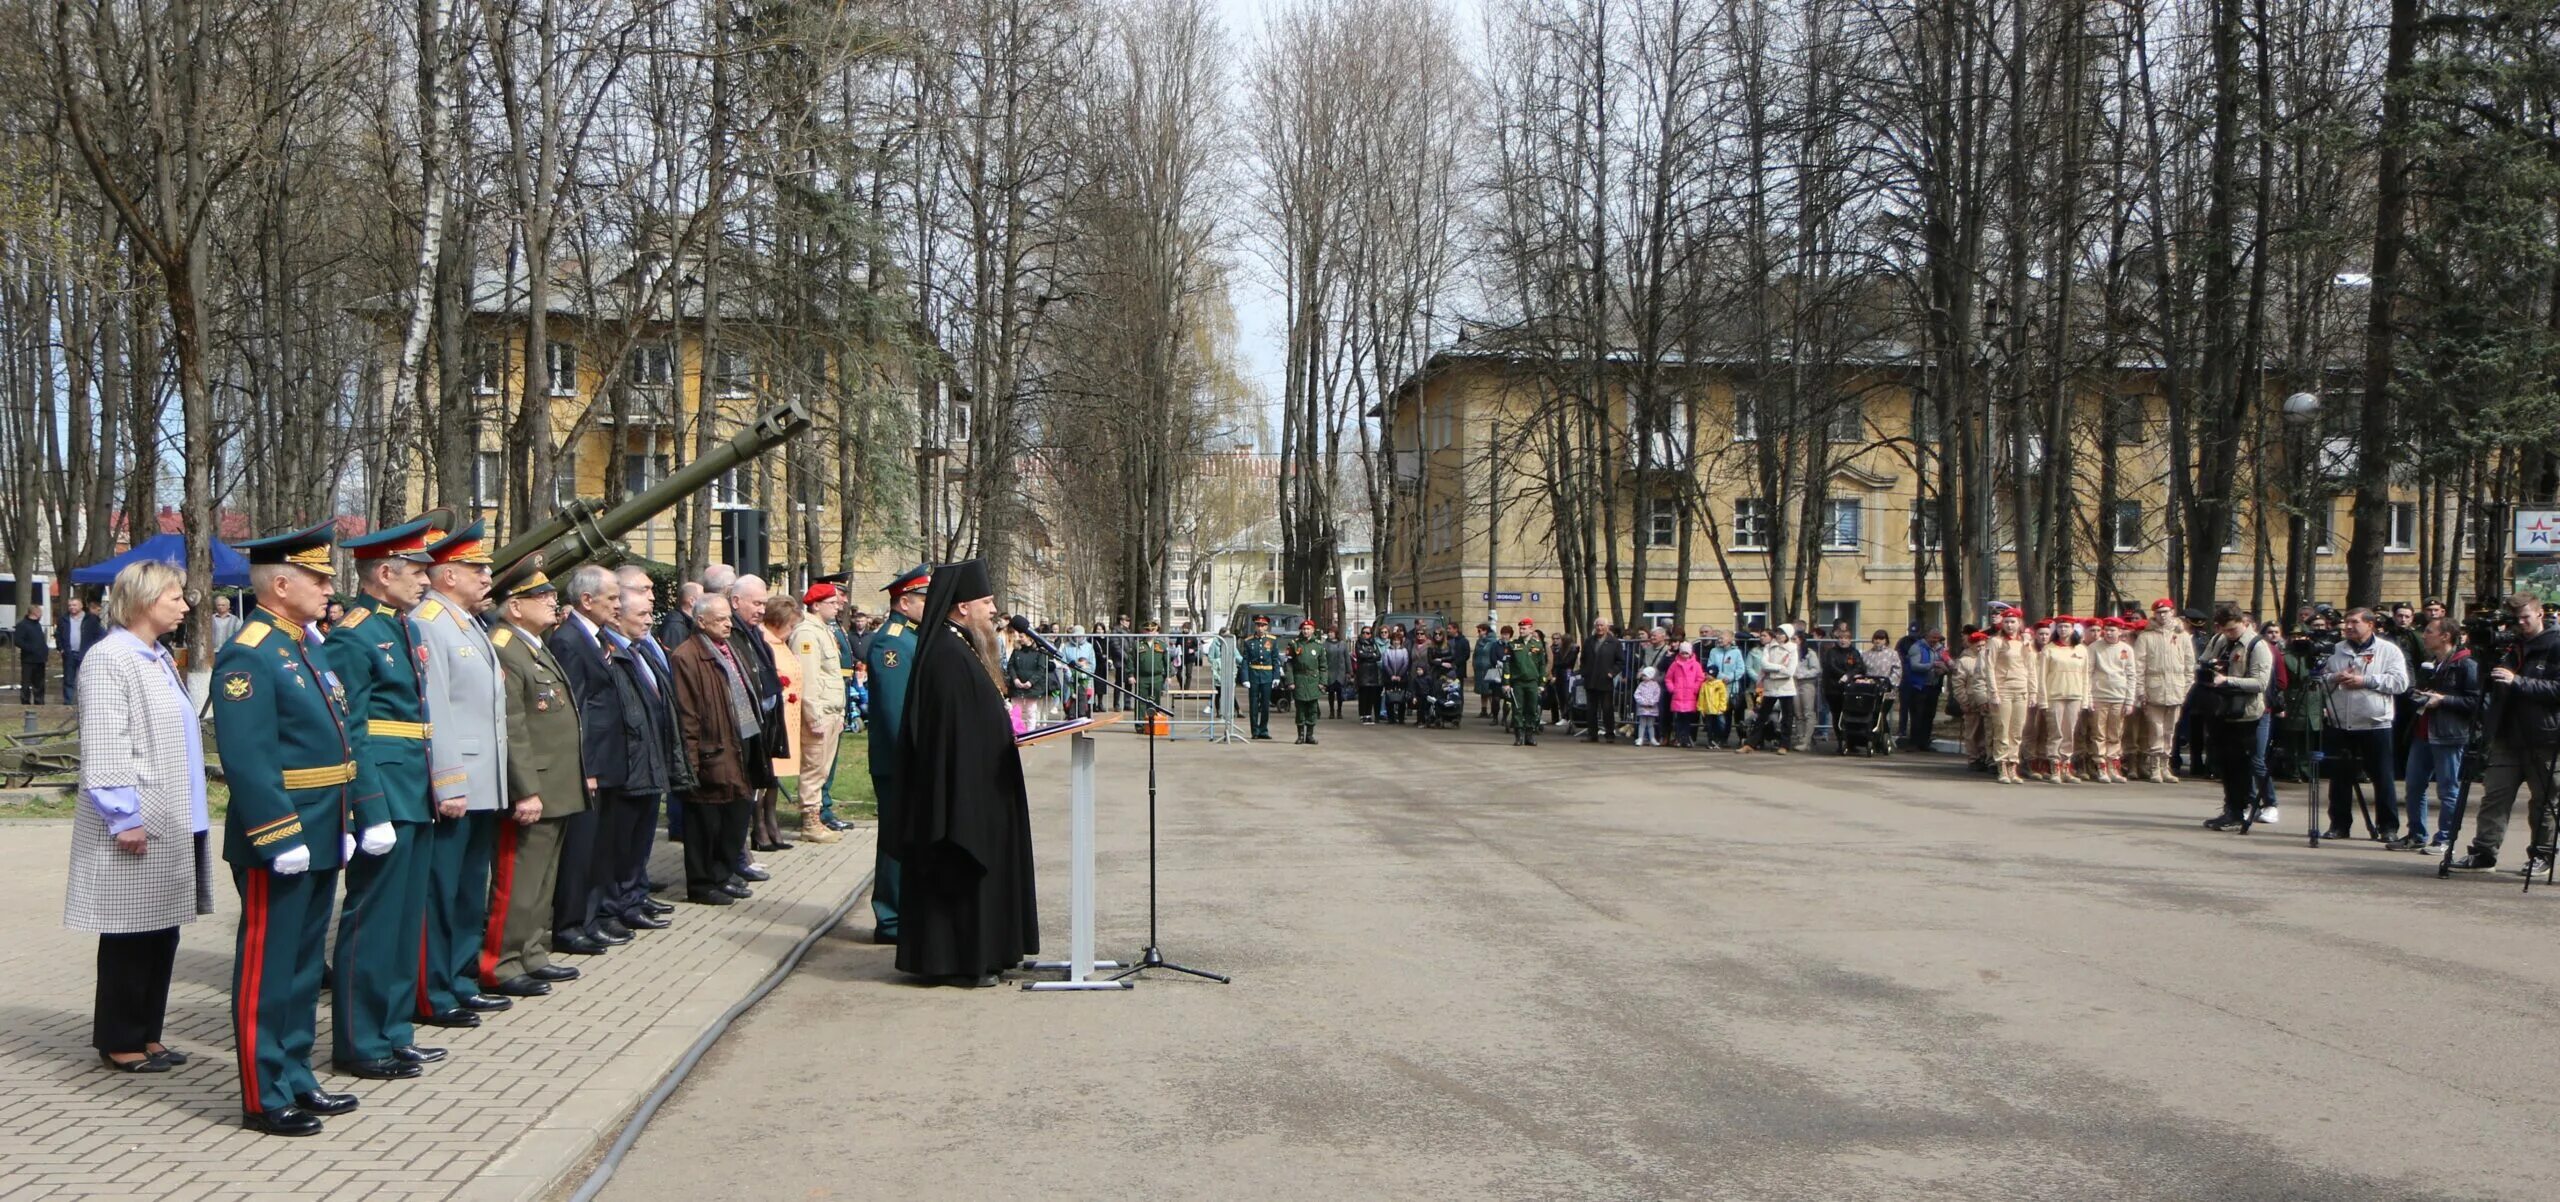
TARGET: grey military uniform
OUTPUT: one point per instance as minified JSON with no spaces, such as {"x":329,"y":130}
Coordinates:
{"x":467,"y":755}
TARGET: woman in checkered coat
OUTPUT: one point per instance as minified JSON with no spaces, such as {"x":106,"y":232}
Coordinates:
{"x":138,"y":866}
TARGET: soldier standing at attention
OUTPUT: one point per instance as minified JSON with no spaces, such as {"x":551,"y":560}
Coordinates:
{"x":466,"y":773}
{"x":1148,"y":665}
{"x":280,"y":724}
{"x":546,"y":787}
{"x":821,"y":709}
{"x":891,"y":650}
{"x":1524,"y":672}
{"x":1258,"y":669}
{"x":1306,"y":677}
{"x":376,"y":656}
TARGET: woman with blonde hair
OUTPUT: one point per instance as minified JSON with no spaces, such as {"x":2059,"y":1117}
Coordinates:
{"x":139,"y":869}
{"x":781,"y":616}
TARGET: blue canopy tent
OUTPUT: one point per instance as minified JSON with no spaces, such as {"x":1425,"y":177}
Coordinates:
{"x":230,"y":568}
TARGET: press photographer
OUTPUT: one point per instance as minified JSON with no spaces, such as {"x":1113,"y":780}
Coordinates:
{"x":2364,"y":673}
{"x":2231,"y":695}
{"x":2524,"y":730}
{"x":2448,"y":701}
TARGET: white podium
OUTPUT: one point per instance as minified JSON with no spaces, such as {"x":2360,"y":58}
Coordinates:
{"x":1079,"y":964}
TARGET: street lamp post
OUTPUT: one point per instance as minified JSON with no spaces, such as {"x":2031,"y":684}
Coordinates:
{"x":2301,"y":417}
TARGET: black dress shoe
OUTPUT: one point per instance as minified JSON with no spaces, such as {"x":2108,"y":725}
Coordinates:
{"x":654,"y":906}
{"x":456,"y":1017}
{"x":388,"y":1069}
{"x":487,"y":1003}
{"x":321,"y":1101}
{"x":292,"y":1120}
{"x":753,"y":873}
{"x":709,"y":897}
{"x":418,"y":1055}
{"x":577,"y":943}
{"x":170,"y":1054}
{"x":552,"y":972}
{"x":2339,"y":833}
{"x":148,"y":1064}
{"x":524,"y":986}
{"x":737,"y":889}
{"x":642,"y":920}
{"x":610,"y":930}
{"x":782,"y":845}
{"x":661,"y":886}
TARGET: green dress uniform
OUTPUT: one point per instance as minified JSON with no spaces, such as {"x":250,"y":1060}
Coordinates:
{"x":1258,"y":669}
{"x":1306,"y":681}
{"x":279,"y":724}
{"x":542,"y":761}
{"x":377,"y":656}
{"x":1147,"y":667}
{"x":891,"y":654}
{"x":1524,"y":672}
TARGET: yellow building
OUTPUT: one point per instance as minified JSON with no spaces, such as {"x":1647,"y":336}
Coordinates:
{"x":1467,"y":428}
{"x":626,"y":397}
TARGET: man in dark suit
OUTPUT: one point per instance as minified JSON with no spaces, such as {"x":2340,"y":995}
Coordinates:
{"x":746,"y":645}
{"x":1602,"y":659}
{"x":651,"y":760}
{"x":78,"y":632}
{"x":578,"y":915}
{"x":33,"y":650}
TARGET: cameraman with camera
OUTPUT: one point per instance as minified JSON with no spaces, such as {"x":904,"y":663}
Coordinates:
{"x":2524,"y":732}
{"x":2231,"y":696}
{"x":2365,"y":672}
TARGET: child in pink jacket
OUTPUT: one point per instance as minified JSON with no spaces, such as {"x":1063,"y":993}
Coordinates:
{"x":1681,"y":678}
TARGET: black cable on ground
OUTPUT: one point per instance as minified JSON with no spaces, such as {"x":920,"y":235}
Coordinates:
{"x":675,"y":1078}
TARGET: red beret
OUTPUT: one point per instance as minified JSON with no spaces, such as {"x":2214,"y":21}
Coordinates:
{"x":2163,"y":603}
{"x":1977,"y":637}
{"x":818,"y":592}
{"x":1525,"y":623}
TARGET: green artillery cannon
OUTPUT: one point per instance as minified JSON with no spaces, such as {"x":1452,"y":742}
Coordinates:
{"x":581,"y":531}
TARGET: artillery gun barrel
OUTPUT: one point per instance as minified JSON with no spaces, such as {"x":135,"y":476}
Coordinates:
{"x":580,"y":531}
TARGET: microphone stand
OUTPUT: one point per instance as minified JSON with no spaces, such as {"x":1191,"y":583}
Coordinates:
{"x":1153,"y":957}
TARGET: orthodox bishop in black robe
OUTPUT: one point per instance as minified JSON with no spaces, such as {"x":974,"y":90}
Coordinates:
{"x":963,"y":834}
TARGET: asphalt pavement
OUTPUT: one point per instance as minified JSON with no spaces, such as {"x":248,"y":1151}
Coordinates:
{"x":1465,"y":970}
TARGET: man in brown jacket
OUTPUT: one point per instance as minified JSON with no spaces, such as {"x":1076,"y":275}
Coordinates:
{"x":545,"y":789}
{"x":717,"y":712}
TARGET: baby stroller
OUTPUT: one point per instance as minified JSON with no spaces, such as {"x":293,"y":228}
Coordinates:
{"x":1452,"y":700}
{"x":1860,"y":722}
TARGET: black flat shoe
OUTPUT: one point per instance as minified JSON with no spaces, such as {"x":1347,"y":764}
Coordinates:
{"x":292,"y":1120}
{"x":753,"y":873}
{"x":553,"y":972}
{"x":609,"y":931}
{"x":169,"y":1054}
{"x":737,"y":889}
{"x":709,"y":897}
{"x":524,"y":986}
{"x":148,"y":1064}
{"x":487,"y":1003}
{"x":321,"y":1101}
{"x":456,"y":1017}
{"x":418,"y":1055}
{"x":782,"y":845}
{"x":654,"y":906}
{"x":639,"y":920}
{"x":389,"y":1069}
{"x":577,"y":943}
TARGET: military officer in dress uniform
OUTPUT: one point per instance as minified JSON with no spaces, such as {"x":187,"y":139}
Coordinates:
{"x":466,"y":774}
{"x":546,"y":787}
{"x":1524,"y":672}
{"x":377,"y":657}
{"x":1258,"y":669}
{"x":892,"y":650}
{"x":1147,"y":665}
{"x":1306,"y":677}
{"x":280,"y":724}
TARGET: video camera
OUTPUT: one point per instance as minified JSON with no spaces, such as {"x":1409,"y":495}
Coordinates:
{"x":2323,"y":640}
{"x":2490,"y":631}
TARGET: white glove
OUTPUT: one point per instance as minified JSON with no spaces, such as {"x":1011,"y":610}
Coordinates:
{"x":346,"y":848}
{"x":379,"y":838}
{"x":292,"y":863}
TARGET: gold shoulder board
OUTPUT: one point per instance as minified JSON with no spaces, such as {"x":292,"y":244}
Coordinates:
{"x":253,"y":634}
{"x":502,"y":636}
{"x":430,"y":610}
{"x":357,"y":619}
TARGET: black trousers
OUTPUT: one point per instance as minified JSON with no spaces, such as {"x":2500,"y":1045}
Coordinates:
{"x":1602,"y":693}
{"x":2234,"y":743}
{"x":1368,"y":701}
{"x":715,"y":835}
{"x":133,"y":989}
{"x":626,"y":832}
{"x":574,"y":896}
{"x":2347,"y":752}
{"x":31,"y":681}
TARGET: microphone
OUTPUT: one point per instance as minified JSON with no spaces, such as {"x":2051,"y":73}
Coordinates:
{"x":1022,"y":626}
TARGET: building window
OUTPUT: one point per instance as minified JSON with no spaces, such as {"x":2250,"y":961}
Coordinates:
{"x":1746,"y":417}
{"x":730,"y":374}
{"x":1750,"y":524}
{"x":641,"y":473}
{"x":1749,"y":618}
{"x":564,"y":479}
{"x":1840,"y":524}
{"x":2404,"y":527}
{"x":2130,"y":417}
{"x":959,"y":424}
{"x":2324,"y":520}
{"x":1665,"y":440}
{"x":1359,"y":596}
{"x":560,"y":367}
{"x":2127,"y":528}
{"x":729,"y":490}
{"x":1848,"y":421}
{"x":488,"y":474}
{"x":653,"y":365}
{"x":481,"y":358}
{"x":1662,"y":522}
{"x":1924,"y":526}
{"x":1836,"y":612}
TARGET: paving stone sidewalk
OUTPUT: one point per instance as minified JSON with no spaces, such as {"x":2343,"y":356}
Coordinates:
{"x":522,"y":1101}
